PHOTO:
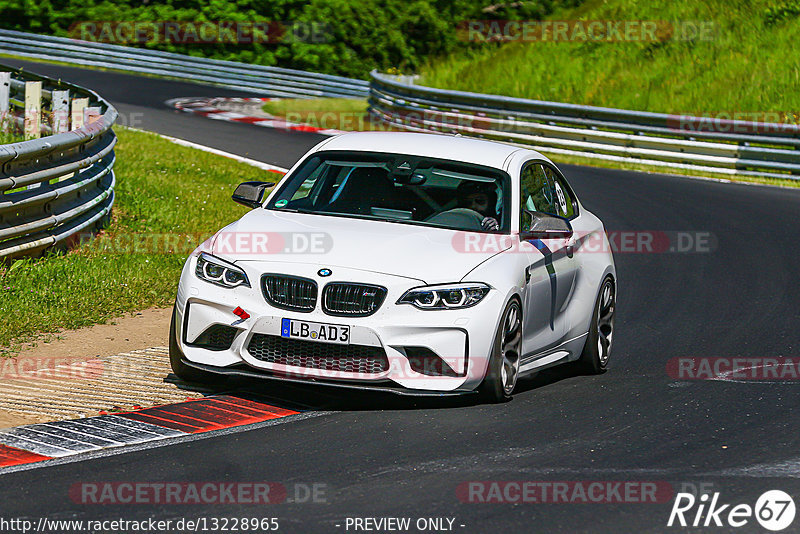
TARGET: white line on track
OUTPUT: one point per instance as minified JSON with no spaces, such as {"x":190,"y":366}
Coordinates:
{"x":786,"y":469}
{"x":248,"y":161}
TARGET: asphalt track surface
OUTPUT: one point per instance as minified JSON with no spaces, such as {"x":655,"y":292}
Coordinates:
{"x":385,"y":456}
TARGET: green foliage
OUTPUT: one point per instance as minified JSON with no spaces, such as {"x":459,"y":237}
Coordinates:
{"x":360,"y":35}
{"x":9,"y":137}
{"x":784,"y":11}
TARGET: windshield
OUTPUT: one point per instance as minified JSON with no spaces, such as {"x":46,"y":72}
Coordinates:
{"x":399,"y":188}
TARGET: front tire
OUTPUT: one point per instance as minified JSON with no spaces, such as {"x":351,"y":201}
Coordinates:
{"x":597,"y":351}
{"x":181,"y":370}
{"x":503,"y":370}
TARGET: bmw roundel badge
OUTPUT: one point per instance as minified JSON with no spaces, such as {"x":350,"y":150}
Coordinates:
{"x":324,"y":272}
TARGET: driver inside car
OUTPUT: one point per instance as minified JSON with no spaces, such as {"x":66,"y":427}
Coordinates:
{"x":482,"y":198}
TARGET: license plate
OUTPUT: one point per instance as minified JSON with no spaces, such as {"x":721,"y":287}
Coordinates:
{"x":326,"y":333}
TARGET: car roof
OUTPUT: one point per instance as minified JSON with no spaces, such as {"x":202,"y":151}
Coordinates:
{"x":457,"y":148}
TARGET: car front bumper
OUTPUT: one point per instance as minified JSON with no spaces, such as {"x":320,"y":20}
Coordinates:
{"x":461,"y":338}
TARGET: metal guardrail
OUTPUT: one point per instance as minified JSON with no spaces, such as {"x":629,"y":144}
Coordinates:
{"x":266,"y":81}
{"x":55,"y":187}
{"x":662,"y":140}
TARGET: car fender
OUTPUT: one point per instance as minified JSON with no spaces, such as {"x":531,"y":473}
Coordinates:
{"x":505,"y":273}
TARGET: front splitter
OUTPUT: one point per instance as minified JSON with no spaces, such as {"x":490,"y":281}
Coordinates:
{"x":245,"y":373}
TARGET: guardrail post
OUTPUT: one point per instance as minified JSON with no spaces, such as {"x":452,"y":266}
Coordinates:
{"x":33,"y":110}
{"x":78,"y":107}
{"x":5,"y":93}
{"x":60,"y":108}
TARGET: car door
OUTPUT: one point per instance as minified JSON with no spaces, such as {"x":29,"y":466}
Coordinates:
{"x":550,"y":275}
{"x":564,"y":249}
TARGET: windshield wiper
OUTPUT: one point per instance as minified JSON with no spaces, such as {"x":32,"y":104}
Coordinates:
{"x":296,"y":210}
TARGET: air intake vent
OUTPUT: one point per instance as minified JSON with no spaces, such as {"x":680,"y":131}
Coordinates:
{"x":347,"y":299}
{"x":290,"y":292}
{"x":216,"y":337}
{"x":313,"y":355}
{"x":424,"y":361}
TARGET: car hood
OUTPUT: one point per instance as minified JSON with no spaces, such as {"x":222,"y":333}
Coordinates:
{"x":430,"y":255}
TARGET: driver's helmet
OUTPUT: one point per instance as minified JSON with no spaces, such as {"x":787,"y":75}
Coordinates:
{"x":478,"y":196}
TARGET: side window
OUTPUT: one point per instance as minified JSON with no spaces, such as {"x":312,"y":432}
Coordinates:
{"x":324,"y":184}
{"x":308,"y":184}
{"x":564,"y":203}
{"x":536,"y":193}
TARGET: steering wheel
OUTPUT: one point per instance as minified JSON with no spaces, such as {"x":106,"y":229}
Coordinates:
{"x":460,"y":218}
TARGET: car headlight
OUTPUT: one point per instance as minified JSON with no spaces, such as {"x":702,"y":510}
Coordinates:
{"x":219,"y":272}
{"x":445,"y":297}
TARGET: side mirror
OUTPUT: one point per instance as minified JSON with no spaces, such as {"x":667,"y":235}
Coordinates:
{"x":251,"y":194}
{"x":545,"y":226}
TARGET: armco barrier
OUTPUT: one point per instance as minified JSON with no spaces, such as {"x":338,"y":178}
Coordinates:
{"x":54,"y":187}
{"x":733,"y":147}
{"x":265,"y":81}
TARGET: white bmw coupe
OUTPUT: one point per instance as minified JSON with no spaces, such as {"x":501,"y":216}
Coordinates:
{"x":403,"y":262}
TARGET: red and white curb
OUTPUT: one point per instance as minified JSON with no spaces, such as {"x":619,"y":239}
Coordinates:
{"x":209,"y":107}
{"x":47,"y":441}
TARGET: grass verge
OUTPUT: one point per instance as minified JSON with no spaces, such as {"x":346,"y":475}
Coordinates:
{"x":169,"y":198}
{"x":706,"y":58}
